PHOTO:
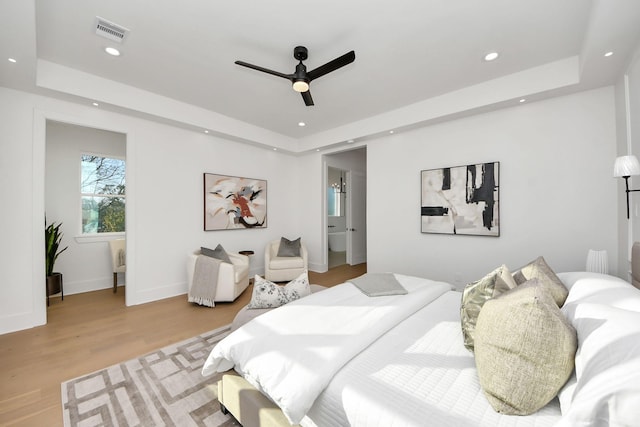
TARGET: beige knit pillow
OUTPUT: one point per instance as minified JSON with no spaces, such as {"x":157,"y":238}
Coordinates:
{"x":476,"y":294}
{"x":524,"y":349}
{"x":539,"y":269}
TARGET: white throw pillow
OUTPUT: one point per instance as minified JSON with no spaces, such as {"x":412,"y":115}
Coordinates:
{"x":607,"y":388}
{"x":267,"y":294}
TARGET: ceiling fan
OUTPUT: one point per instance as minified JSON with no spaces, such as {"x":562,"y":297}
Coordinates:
{"x":301,"y":78}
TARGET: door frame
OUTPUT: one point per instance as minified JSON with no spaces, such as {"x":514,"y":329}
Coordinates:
{"x":39,"y":158}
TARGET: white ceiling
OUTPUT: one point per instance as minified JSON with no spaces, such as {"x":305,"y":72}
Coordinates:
{"x":416,"y":60}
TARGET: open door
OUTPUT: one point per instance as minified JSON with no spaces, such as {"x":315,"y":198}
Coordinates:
{"x":356,"y":218}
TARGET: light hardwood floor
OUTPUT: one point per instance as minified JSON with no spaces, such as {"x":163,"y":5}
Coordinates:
{"x":90,"y":331}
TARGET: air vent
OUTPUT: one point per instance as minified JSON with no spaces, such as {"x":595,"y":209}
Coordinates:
{"x":110,"y":31}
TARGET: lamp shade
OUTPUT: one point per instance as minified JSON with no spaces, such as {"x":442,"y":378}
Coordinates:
{"x":626,"y":166}
{"x":597,"y":261}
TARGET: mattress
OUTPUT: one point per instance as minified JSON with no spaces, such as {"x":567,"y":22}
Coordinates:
{"x":417,"y":374}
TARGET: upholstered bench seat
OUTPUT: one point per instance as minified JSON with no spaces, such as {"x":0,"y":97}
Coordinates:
{"x":247,"y":404}
{"x":245,"y":314}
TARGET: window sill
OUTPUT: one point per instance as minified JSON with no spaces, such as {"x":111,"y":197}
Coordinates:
{"x":97,"y":238}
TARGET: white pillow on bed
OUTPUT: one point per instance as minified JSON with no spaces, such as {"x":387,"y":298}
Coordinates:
{"x":607,"y":387}
{"x":600,"y":289}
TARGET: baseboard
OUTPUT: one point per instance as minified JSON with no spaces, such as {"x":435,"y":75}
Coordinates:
{"x":318,"y":268}
{"x":81,"y":286}
{"x":155,"y":294}
{"x":20,"y":321}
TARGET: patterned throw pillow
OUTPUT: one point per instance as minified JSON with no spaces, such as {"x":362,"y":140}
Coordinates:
{"x":267,"y":294}
{"x":474,"y":296}
{"x":122,"y":258}
{"x":289,"y":248}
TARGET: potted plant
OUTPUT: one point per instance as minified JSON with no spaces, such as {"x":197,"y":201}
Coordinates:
{"x":52,"y":240}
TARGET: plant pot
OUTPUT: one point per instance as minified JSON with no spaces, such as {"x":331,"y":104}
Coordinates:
{"x":54,"y":285}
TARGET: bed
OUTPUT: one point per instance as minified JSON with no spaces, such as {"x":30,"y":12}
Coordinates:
{"x":341,"y":358}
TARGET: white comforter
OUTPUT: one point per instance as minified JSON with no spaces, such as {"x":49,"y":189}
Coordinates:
{"x":292,"y":353}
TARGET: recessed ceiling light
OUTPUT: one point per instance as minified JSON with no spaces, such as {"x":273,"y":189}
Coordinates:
{"x":275,"y":149}
{"x":522,"y":100}
{"x":491,"y":56}
{"x":12,"y":60}
{"x":302,"y":124}
{"x":350,"y":141}
{"x":608,"y":54}
{"x":95,"y":104}
{"x":391,"y":132}
{"x":206,"y":131}
{"x":112,"y":51}
{"x":317,"y":149}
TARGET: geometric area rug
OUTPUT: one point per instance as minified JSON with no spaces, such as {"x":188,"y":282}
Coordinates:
{"x":162,"y":388}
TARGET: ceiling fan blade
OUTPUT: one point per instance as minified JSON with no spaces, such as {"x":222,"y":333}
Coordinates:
{"x":308,"y":101}
{"x":330,"y":66}
{"x":264,"y":70}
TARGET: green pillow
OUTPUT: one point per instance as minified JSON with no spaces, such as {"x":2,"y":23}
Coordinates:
{"x":476,"y":294}
{"x":539,"y":269}
{"x":524,"y":349}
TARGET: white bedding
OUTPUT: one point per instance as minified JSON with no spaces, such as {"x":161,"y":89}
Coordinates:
{"x":401,"y":361}
{"x":417,"y":374}
{"x":292,"y":353}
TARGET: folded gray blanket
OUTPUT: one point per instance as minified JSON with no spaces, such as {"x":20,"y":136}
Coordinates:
{"x":205,"y":281}
{"x":379,"y":284}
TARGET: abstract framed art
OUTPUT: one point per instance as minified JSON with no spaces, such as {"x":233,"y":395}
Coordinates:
{"x":232,"y":203}
{"x":461,"y":200}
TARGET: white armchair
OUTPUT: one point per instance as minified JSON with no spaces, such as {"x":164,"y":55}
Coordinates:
{"x":232,"y":278}
{"x":282,"y":269}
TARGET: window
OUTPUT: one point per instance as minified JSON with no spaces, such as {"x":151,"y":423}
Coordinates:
{"x":103,"y":194}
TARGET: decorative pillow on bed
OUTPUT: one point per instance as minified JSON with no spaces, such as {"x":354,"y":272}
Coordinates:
{"x":378,"y":284}
{"x":217,"y":253}
{"x":267,"y":294}
{"x":607,"y":387}
{"x":476,"y":294}
{"x":539,"y":269}
{"x":289,"y":248}
{"x":524,"y":349}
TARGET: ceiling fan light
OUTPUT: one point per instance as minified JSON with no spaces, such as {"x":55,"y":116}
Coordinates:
{"x":300,"y":86}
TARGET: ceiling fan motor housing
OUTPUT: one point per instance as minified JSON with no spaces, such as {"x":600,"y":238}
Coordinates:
{"x":300,"y":53}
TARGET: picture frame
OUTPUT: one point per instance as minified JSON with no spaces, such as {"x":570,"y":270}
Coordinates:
{"x":234,"y":203}
{"x":461,"y":200}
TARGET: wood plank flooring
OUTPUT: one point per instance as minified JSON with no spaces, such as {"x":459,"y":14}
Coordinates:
{"x":90,"y":331}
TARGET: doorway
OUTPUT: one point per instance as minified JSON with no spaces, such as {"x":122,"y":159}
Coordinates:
{"x":345,"y":207}
{"x":85,"y":193}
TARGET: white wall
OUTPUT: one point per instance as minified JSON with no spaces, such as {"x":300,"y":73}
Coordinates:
{"x":633,"y":130}
{"x":22,"y":304}
{"x":164,"y":200}
{"x":627,"y":98}
{"x":86,"y":265}
{"x":557,"y":196}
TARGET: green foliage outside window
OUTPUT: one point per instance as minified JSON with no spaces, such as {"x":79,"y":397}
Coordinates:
{"x":103,"y":194}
